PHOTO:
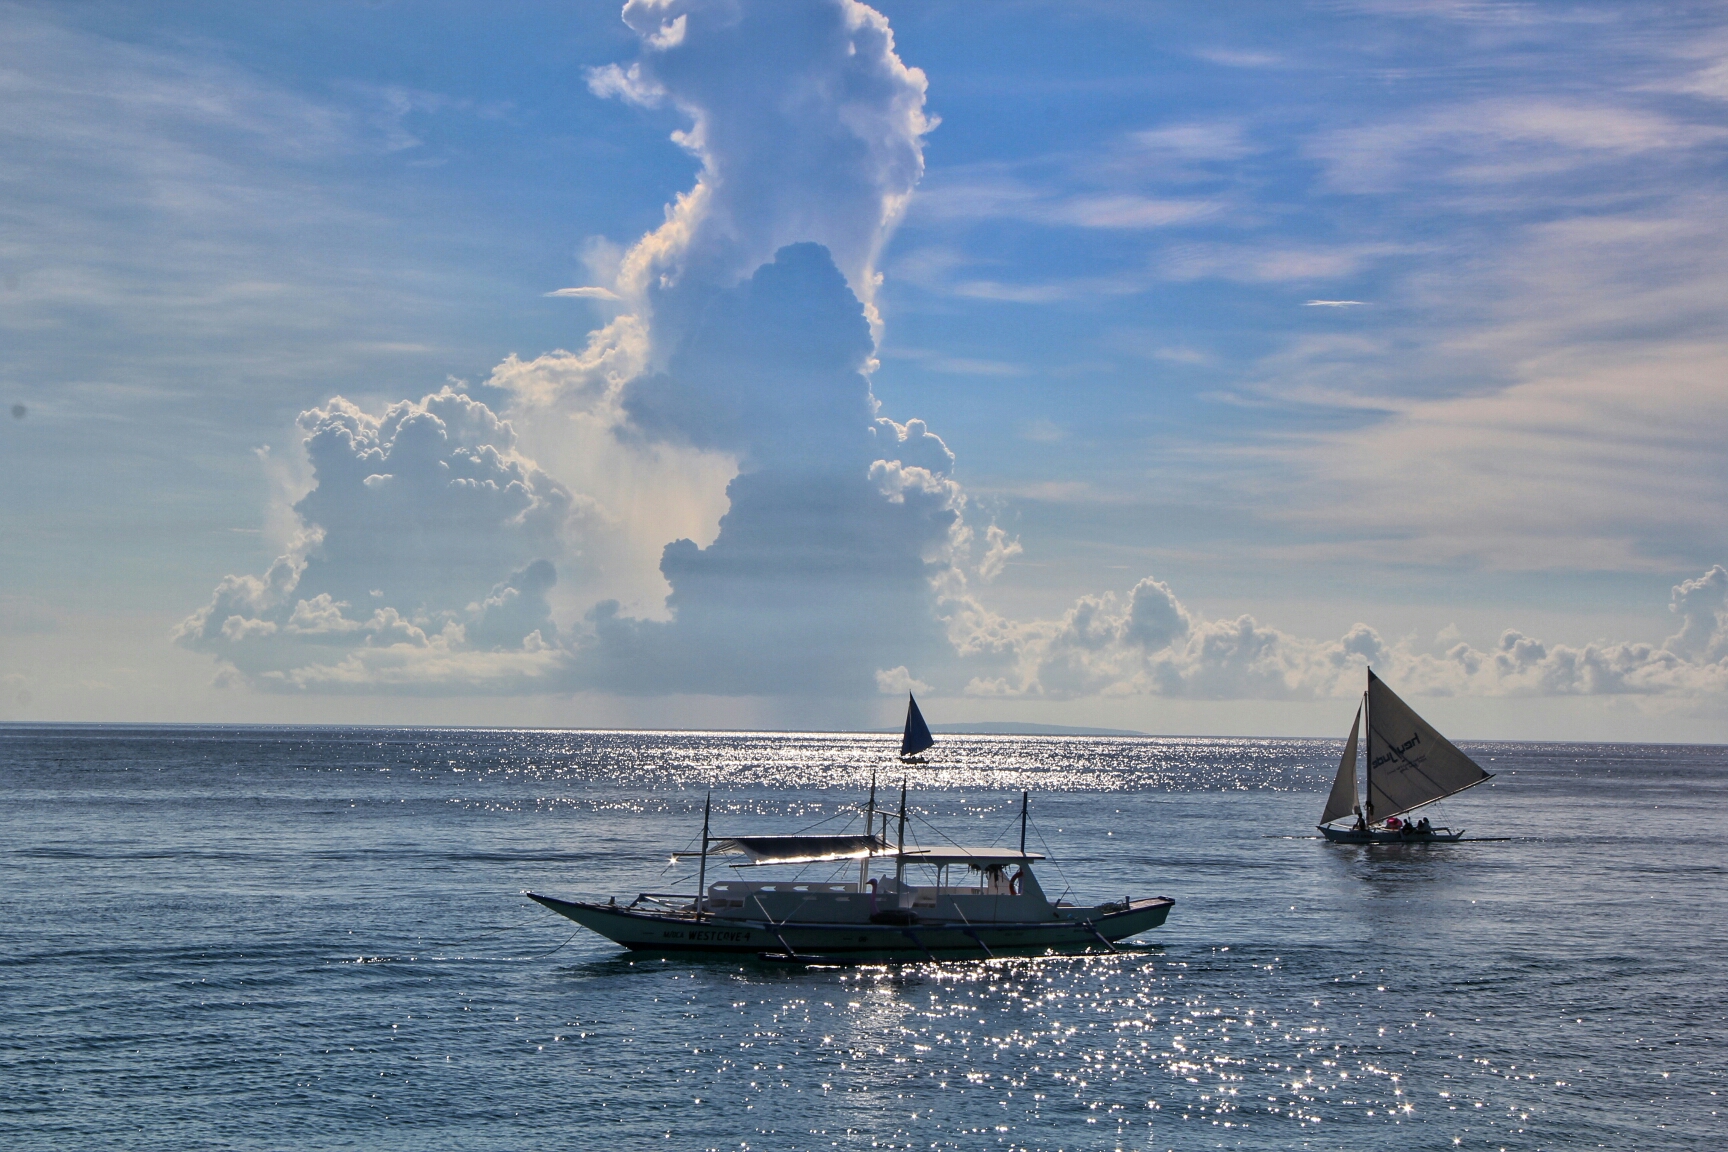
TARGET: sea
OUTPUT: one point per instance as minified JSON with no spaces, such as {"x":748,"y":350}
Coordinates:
{"x":310,"y":938}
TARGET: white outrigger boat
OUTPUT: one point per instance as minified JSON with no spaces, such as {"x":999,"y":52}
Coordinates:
{"x":981,"y":901}
{"x":985,"y":910}
{"x":1409,"y":765}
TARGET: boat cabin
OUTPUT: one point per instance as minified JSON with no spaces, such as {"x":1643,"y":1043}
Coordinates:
{"x":978,"y":885}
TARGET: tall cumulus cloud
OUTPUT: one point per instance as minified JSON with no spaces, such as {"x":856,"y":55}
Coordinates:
{"x":746,"y":338}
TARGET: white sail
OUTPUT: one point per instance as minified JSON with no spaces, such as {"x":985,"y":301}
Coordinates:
{"x":1409,"y":763}
{"x":1342,"y":801}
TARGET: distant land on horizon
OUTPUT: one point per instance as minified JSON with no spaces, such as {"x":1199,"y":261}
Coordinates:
{"x":1015,"y":728}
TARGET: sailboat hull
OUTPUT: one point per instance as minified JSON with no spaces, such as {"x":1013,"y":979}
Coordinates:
{"x":1378,"y":836}
{"x":1074,"y":930}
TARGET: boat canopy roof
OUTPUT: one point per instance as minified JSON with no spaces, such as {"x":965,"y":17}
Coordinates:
{"x":814,"y":849}
{"x":802,"y":849}
{"x":976,"y":857}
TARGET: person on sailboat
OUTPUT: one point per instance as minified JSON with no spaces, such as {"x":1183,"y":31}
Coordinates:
{"x":1361,"y":821}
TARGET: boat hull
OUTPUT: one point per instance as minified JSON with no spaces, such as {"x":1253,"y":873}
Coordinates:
{"x":1077,"y":930}
{"x":1356,"y":836}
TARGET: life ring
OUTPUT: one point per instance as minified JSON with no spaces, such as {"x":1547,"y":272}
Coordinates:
{"x":1014,"y":882}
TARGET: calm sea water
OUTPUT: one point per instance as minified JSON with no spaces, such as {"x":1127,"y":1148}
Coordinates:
{"x":315,"y":938}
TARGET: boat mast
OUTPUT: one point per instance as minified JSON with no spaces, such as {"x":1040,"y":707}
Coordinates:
{"x":900,"y":848}
{"x":1023,"y":796}
{"x":1368,"y":760}
{"x":869,"y":822}
{"x":702,"y":871}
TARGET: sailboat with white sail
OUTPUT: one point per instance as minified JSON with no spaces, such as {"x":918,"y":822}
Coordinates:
{"x":1408,"y":765}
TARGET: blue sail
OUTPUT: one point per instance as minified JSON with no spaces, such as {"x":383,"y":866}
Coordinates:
{"x":917,"y":737}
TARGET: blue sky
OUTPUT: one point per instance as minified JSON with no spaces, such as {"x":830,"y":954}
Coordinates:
{"x":1132,"y":364}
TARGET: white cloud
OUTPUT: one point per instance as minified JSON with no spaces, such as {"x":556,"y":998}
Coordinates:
{"x":1238,"y":58}
{"x":425,"y":508}
{"x":588,"y":382}
{"x":1500,"y":141}
{"x":807,"y":125}
{"x":160,"y":202}
{"x":1043,"y":431}
{"x":990,"y":195}
{"x":998,"y":548}
{"x":586,"y":293}
{"x":1272,"y":263}
{"x":1148,"y":643}
{"x":1579,"y":420}
{"x":1702,"y":606}
{"x":897,"y":681}
{"x":1209,"y":141}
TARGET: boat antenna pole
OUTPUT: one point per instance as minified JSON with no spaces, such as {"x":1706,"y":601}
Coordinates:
{"x":869,"y":829}
{"x":1023,"y":796}
{"x":702,"y":871}
{"x":900,"y":848}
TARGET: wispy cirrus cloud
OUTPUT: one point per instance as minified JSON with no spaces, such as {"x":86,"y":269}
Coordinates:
{"x":937,"y":361}
{"x":1501,"y":141}
{"x":1006,"y":198}
{"x":1238,"y":57}
{"x":1275,"y":262}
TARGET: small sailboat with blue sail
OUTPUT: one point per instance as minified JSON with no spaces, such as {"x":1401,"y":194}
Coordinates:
{"x":1408,"y":765}
{"x":917,"y":739}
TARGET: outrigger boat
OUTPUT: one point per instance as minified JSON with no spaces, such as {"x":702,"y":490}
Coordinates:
{"x":983,"y":901}
{"x":1409,"y":765}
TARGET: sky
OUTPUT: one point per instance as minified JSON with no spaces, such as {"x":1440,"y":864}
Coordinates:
{"x":733,"y":364}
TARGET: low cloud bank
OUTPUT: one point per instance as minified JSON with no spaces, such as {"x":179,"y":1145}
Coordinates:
{"x":1148,"y":643}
